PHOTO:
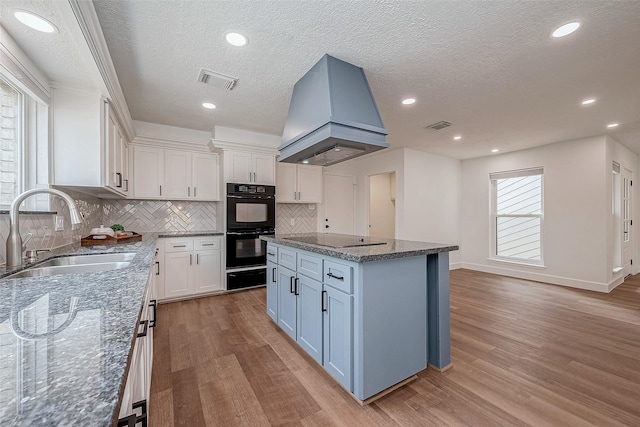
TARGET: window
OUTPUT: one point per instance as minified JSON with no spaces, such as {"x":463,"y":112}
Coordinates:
{"x":517,"y":211}
{"x":11,"y":143}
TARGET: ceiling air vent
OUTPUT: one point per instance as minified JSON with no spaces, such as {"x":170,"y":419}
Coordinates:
{"x":216,"y":79}
{"x":439,"y":125}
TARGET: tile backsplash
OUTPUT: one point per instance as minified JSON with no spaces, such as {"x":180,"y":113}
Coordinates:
{"x":304,"y":219}
{"x":160,"y":215}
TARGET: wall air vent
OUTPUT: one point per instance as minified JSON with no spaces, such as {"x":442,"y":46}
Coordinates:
{"x":216,"y":79}
{"x":439,"y":125}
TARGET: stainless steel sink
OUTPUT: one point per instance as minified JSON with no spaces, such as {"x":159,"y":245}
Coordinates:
{"x":88,"y":259}
{"x":53,"y":270}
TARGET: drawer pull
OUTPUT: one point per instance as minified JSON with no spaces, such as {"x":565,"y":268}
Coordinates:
{"x":271,"y":254}
{"x":333,"y":276}
{"x":208,"y":244}
{"x":179,"y":246}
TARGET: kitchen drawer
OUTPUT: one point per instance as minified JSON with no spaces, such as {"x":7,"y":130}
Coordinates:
{"x":204,"y":243}
{"x":338,"y":275}
{"x":178,"y":245}
{"x":310,"y":266}
{"x":287,"y":258}
{"x":272,"y":253}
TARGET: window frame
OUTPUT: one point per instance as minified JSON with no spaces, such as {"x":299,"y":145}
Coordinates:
{"x":21,"y":136}
{"x":494,"y":216}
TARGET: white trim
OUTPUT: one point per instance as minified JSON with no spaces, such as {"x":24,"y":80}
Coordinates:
{"x":170,"y":144}
{"x":513,"y":261}
{"x":24,"y":73}
{"x":455,"y":265}
{"x":89,"y":24}
{"x":547,"y":278}
{"x":217,"y":146}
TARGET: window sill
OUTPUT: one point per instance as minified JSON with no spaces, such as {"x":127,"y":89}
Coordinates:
{"x":524,"y":264}
{"x":6,"y":212}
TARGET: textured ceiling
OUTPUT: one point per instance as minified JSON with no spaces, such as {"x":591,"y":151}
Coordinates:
{"x":489,"y":67}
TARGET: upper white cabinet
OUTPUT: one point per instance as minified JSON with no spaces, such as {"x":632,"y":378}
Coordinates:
{"x":175,"y":174}
{"x":90,"y":150}
{"x":249,"y":167}
{"x":298,"y":183}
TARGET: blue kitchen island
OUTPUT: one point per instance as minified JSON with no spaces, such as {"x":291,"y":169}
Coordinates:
{"x":373,"y":312}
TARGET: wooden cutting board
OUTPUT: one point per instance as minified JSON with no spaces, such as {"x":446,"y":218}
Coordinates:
{"x":90,"y":241}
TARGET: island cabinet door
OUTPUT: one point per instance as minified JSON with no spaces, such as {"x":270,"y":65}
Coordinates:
{"x":287,"y":309}
{"x":338,"y":335}
{"x":309,"y":294}
{"x":272,"y":290}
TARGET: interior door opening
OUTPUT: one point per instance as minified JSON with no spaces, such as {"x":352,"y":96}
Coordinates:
{"x":382,"y":205}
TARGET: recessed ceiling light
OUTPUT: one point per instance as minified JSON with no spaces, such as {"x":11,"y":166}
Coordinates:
{"x":495,"y":150}
{"x":566,"y":29}
{"x":408,"y":101}
{"x":305,"y":161}
{"x":588,"y":101}
{"x":457,"y":138}
{"x":209,"y":105}
{"x":34,"y":21}
{"x":613,"y":125}
{"x":236,"y":39}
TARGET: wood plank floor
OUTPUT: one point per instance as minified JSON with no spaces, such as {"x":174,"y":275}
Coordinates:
{"x":524,"y":353}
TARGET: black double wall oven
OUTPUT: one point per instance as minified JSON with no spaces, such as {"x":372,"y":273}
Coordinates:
{"x":251,"y":212}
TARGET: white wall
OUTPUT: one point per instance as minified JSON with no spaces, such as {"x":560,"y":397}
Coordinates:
{"x":382,"y":210}
{"x":576,"y":209}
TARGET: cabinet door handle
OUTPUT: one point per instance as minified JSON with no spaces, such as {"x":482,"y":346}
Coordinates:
{"x":141,"y":419}
{"x":145,"y":328}
{"x":335,"y":277}
{"x":190,"y":259}
{"x":129,"y":421}
{"x":127,"y":187}
{"x":194,"y":191}
{"x":188,"y":191}
{"x":249,"y":176}
{"x":273,"y":275}
{"x":119,"y":180}
{"x":198,"y":259}
{"x":271,"y":254}
{"x":157,"y":268}
{"x":161,"y":190}
{"x":291,"y":284}
{"x":295,"y":286}
{"x":153,"y":303}
{"x":323,"y":307}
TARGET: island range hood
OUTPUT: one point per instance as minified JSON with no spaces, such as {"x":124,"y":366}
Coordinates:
{"x":332,"y":116}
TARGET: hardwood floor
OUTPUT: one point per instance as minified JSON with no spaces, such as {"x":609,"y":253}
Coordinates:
{"x":524,"y":353}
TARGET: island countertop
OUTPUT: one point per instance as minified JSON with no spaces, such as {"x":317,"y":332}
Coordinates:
{"x":67,"y":366}
{"x":393,"y":248}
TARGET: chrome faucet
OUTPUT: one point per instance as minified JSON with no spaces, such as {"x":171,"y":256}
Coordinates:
{"x":14,"y":240}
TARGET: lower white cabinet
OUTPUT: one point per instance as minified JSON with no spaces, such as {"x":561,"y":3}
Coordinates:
{"x":191,"y":266}
{"x":135,"y":399}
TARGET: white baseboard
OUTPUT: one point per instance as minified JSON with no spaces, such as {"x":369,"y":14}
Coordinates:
{"x":455,"y":265}
{"x":546,"y":278}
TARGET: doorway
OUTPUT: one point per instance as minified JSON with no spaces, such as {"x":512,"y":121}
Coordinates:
{"x":382,"y":205}
{"x":339,"y":204}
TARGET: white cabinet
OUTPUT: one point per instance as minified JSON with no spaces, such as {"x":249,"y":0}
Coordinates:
{"x":135,"y":398}
{"x":175,"y":174}
{"x":89,"y":149}
{"x":191,"y":266}
{"x":298,"y":183}
{"x":249,"y":167}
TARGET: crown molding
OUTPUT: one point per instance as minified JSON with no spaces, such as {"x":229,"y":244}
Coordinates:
{"x":219,"y":146}
{"x":87,"y":19}
{"x":169,"y":144}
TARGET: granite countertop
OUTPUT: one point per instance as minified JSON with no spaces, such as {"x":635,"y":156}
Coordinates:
{"x":392,"y":249}
{"x":190,"y":233}
{"x":64,"y":366}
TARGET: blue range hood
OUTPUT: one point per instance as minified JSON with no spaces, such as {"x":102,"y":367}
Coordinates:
{"x":332,"y":116}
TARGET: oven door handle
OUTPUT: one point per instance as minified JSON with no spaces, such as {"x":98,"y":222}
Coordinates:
{"x":254,"y":197}
{"x":247,"y":233}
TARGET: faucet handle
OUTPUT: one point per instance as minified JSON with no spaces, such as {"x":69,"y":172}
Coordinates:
{"x":24,"y":243}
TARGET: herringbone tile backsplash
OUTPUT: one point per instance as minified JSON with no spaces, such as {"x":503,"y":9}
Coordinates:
{"x":305,"y":219}
{"x":160,"y":215}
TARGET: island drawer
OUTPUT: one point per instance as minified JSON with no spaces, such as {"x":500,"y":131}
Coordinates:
{"x":338,"y":275}
{"x":208,"y":243}
{"x":287,"y":258}
{"x":178,"y":245}
{"x":272,"y":253}
{"x":310,"y":266}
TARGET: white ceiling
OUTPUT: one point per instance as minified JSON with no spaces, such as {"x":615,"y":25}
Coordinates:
{"x":489,"y":67}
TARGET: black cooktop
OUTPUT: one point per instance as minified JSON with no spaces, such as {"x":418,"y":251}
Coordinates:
{"x":336,"y":240}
